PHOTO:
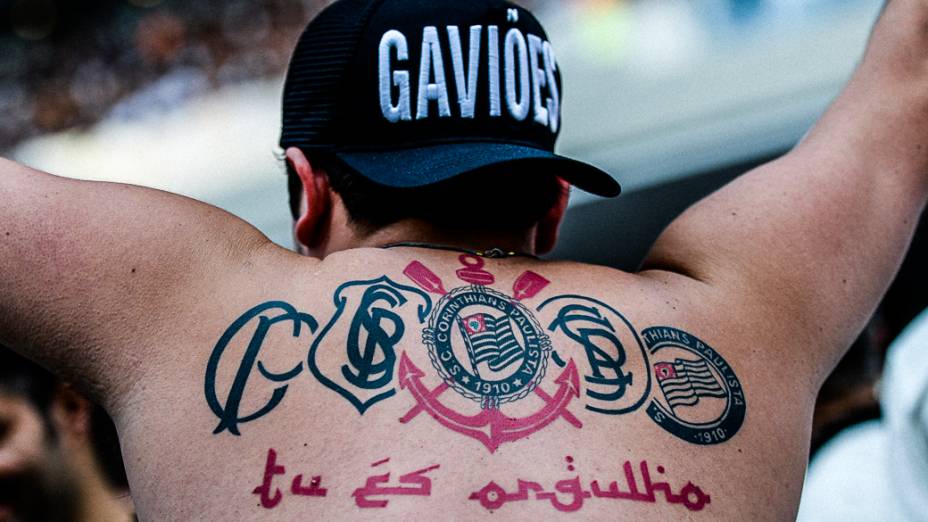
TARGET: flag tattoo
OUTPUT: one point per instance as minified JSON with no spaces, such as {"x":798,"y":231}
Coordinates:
{"x":684,"y":382}
{"x":492,"y":340}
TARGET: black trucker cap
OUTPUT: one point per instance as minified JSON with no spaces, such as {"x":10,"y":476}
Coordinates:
{"x":413,"y":92}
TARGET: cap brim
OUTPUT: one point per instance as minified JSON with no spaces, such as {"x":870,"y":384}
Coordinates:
{"x":420,"y":166}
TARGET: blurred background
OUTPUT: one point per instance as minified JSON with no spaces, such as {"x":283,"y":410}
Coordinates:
{"x":674,"y":97}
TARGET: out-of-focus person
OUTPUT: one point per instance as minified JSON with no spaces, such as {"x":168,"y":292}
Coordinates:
{"x":878,"y":470}
{"x":59,"y":456}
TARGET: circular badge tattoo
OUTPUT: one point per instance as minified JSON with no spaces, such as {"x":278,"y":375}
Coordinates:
{"x":486,"y":346}
{"x":698,"y":397}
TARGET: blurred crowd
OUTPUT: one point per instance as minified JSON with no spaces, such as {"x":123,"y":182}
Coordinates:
{"x":67,"y":64}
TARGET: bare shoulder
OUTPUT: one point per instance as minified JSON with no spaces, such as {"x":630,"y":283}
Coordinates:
{"x":330,"y":367}
{"x":96,"y":275}
{"x":667,"y":328}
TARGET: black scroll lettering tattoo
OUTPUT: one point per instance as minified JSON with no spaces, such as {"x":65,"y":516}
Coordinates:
{"x":612,"y":348}
{"x":383,"y":329}
{"x":363,"y":375}
{"x":263,"y":318}
{"x":698,"y":397}
{"x":363,"y":371}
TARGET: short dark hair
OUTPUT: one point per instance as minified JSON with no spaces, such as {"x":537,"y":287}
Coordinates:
{"x":23,"y":378}
{"x":502,"y":198}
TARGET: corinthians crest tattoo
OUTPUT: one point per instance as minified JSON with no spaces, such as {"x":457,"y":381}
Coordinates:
{"x":489,"y":361}
{"x":490,"y":324}
{"x":488,"y":349}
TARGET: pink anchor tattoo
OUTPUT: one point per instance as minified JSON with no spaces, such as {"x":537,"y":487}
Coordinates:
{"x":492,"y":345}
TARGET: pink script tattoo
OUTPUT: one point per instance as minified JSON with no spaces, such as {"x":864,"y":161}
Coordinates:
{"x":269,"y":499}
{"x":493,"y":496}
{"x":415,"y":484}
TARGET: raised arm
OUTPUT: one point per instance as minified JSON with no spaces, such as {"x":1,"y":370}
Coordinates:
{"x":810,"y":242}
{"x":90,"y":272}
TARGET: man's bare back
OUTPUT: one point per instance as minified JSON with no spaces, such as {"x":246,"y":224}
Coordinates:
{"x":251,"y":382}
{"x":354,"y":391}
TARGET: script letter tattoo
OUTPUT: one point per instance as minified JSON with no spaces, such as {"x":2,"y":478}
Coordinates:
{"x":600,"y":361}
{"x":270,"y":500}
{"x":645,"y":488}
{"x":618,"y":379}
{"x":263,"y":318}
{"x":363,"y":372}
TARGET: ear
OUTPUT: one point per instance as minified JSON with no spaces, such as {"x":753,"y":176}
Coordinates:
{"x":316,"y":199}
{"x":547,"y":230}
{"x":70,"y":412}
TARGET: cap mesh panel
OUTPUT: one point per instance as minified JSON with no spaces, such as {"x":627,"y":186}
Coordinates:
{"x":322,"y":57}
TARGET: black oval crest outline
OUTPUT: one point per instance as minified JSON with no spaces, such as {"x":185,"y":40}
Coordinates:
{"x":340,"y":303}
{"x":688,"y":431}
